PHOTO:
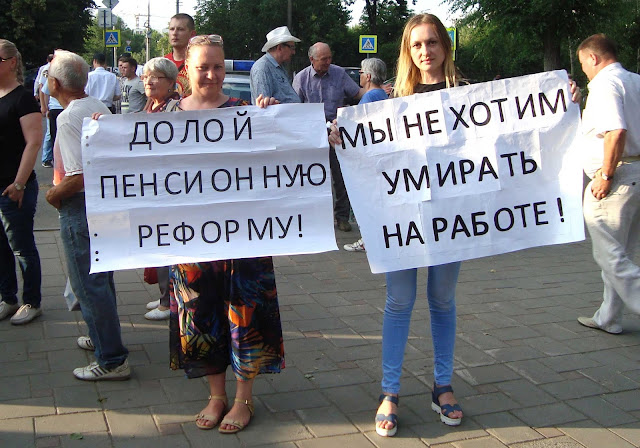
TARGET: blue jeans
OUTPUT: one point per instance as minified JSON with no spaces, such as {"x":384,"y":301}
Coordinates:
{"x":47,"y":146}
{"x":401,"y":295}
{"x":17,"y":241}
{"x":96,"y":293}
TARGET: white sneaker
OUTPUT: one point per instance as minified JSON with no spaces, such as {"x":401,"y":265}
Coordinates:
{"x":6,"y":309}
{"x":153,"y":305}
{"x":158,"y":314}
{"x":93,"y":372}
{"x":589,"y":322}
{"x":85,"y":343}
{"x":25,"y":314}
{"x":358,"y":246}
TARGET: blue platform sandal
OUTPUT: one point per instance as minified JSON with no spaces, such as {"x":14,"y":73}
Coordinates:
{"x":446,"y":409}
{"x":393,"y":418}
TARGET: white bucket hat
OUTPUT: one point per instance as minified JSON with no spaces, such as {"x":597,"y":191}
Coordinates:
{"x":278,"y":36}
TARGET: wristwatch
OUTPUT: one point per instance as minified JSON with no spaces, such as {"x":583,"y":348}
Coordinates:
{"x":18,"y":186}
{"x":605,"y":177}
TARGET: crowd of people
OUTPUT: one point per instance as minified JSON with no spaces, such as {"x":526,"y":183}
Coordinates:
{"x":225,"y":312}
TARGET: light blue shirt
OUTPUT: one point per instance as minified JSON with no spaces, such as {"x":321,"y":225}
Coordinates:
{"x":270,"y":79}
{"x":53,"y":103}
{"x":373,"y":95}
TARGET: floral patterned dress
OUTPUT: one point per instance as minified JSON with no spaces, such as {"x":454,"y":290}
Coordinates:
{"x":225,"y":312}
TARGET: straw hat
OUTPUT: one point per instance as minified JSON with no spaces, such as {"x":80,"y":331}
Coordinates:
{"x":278,"y":36}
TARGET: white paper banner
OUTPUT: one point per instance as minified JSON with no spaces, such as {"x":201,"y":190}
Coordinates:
{"x":182,"y":187}
{"x":464,"y":173}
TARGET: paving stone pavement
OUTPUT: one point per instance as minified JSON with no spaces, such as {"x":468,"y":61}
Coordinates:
{"x":527,"y":374}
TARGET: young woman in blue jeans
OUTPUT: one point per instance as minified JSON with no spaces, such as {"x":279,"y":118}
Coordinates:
{"x":425,"y":64}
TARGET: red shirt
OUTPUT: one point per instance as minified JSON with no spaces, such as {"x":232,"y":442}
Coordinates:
{"x":182,"y":82}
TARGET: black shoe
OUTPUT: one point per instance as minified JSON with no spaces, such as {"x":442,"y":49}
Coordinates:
{"x":47,"y":164}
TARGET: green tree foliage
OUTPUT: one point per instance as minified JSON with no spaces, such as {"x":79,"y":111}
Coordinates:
{"x":625,"y":30}
{"x":95,"y":42}
{"x":38,"y":27}
{"x":390,"y":18}
{"x":547,"y":23}
{"x":486,"y":50}
{"x":244,"y":25}
{"x":518,"y":37}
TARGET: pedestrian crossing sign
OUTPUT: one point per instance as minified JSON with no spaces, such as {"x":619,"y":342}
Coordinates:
{"x":453,"y":34}
{"x":368,"y":43}
{"x":112,"y":38}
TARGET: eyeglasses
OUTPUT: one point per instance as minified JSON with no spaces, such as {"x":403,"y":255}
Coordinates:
{"x":5,"y":59}
{"x":214,"y":39}
{"x":292,"y":47}
{"x":152,"y":78}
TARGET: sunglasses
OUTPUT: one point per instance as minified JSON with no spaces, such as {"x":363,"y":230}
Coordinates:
{"x":214,"y":39}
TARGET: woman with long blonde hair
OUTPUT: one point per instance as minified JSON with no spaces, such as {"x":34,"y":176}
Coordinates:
{"x":410,"y":74}
{"x":425,"y":64}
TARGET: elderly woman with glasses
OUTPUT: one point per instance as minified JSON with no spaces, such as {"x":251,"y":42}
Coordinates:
{"x":159,"y":77}
{"x":222,"y":312}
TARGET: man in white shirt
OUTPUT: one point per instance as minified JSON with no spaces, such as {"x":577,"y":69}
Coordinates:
{"x":39,"y":79}
{"x":95,"y":292}
{"x":103,"y":84}
{"x":50,"y":108}
{"x":611,"y":129}
{"x":45,"y":105}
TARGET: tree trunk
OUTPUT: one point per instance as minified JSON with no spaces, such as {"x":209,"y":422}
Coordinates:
{"x":551,"y":49}
{"x":372,"y":13}
{"x":571,"y":58}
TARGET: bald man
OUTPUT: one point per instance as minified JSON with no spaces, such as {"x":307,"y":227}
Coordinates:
{"x":324,"y":82}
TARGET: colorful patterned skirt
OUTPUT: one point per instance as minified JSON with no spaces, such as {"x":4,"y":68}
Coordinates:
{"x":225,"y":312}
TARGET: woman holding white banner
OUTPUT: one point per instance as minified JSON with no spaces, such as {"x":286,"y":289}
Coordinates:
{"x":223,"y":312}
{"x":425,"y":64}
